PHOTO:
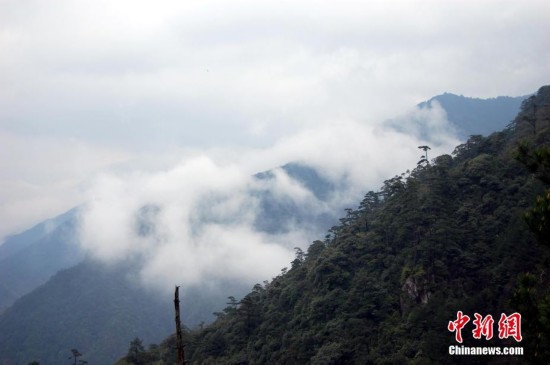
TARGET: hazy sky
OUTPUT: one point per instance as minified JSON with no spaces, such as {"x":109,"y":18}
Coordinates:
{"x":90,"y":89}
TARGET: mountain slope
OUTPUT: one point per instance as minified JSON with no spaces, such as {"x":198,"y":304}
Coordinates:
{"x":24,"y":271}
{"x":29,"y":259}
{"x":340,"y":269}
{"x":382,"y":289}
{"x":473,"y":116}
{"x":98,"y":310}
{"x":85,"y":307}
{"x":34,"y":255}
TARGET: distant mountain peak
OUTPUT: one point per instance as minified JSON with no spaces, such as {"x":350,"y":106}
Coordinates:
{"x":472,"y":116}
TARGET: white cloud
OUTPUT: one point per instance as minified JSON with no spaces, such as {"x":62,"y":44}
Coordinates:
{"x":199,"y":215}
{"x":198,"y":222}
{"x":93,"y":91}
{"x":145,"y":75}
{"x":41,"y":177}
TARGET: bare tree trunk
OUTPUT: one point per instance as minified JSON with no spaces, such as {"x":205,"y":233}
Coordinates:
{"x":179,"y":339}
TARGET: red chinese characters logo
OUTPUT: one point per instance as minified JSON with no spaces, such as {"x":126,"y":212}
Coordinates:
{"x":484,"y":326}
{"x":456,"y":326}
{"x":508,"y":326}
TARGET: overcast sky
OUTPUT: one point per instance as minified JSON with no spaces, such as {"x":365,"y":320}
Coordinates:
{"x":92,"y":88}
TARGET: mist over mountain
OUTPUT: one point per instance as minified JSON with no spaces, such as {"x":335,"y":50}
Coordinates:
{"x":471,"y":116}
{"x":206,"y":145}
{"x":465,"y":232}
{"x":133,"y":220}
{"x":99,"y":308}
{"x":277,"y":215}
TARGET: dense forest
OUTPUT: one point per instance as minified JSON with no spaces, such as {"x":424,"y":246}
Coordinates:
{"x":467,"y":232}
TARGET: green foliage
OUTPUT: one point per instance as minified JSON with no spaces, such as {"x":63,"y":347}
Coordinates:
{"x":532,"y":299}
{"x":383,"y":285}
{"x":136,"y":353}
{"x":532,"y":294}
{"x":537,"y":160}
{"x":538,"y":217}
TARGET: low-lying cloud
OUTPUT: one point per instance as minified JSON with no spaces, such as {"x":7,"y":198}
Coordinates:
{"x":196,"y":222}
{"x":124,"y":79}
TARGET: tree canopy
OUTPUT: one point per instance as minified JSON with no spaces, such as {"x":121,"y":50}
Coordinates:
{"x":383,"y":285}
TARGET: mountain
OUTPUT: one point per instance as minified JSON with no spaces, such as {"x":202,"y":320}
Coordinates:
{"x":388,"y":285}
{"x":280,"y":214}
{"x":49,"y":245}
{"x":306,"y":176}
{"x":472,"y":116}
{"x":97,"y":309}
{"x":24,"y":268}
{"x":86,"y":307}
{"x":29,"y":259}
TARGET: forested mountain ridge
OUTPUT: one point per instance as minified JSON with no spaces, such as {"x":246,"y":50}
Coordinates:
{"x":103,"y":315}
{"x":381,"y":288}
{"x":96,"y":303}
